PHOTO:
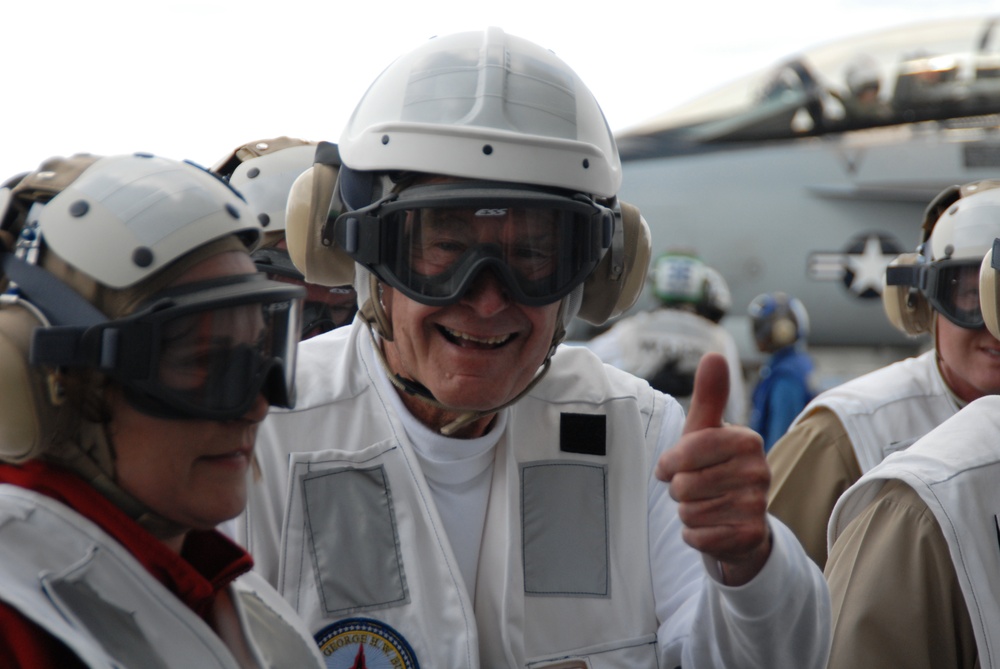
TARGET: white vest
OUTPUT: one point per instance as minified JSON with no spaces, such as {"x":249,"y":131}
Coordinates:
{"x":562,"y":571}
{"x":64,"y":573}
{"x":887,"y":410}
{"x":955,"y":470}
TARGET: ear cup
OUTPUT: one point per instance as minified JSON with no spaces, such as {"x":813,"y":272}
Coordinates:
{"x":617,"y":282}
{"x":906,"y":308}
{"x":308,"y":208}
{"x":25,"y":411}
{"x":784,"y":332}
{"x":989,"y":291}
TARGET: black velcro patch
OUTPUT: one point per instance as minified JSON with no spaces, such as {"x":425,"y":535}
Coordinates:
{"x":583,"y":433}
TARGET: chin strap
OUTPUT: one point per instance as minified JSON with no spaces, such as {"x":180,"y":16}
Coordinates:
{"x":91,"y":456}
{"x":421,"y":392}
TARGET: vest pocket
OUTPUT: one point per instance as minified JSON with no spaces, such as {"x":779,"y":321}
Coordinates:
{"x":351,"y":528}
{"x":564,"y":526}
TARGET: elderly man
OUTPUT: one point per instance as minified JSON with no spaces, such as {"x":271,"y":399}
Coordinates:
{"x":453,"y":492}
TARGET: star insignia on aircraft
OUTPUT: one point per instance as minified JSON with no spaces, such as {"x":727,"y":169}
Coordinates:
{"x":859,"y":266}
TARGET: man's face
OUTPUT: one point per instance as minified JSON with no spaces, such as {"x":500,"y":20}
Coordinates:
{"x":480,"y":352}
{"x":969,"y":359}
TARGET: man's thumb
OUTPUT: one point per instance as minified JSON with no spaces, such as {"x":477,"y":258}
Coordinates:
{"x":711,"y":393}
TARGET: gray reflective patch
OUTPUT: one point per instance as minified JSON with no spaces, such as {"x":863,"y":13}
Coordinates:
{"x":277,"y":641}
{"x":564,"y":527}
{"x":114,"y":628}
{"x":352,"y":534}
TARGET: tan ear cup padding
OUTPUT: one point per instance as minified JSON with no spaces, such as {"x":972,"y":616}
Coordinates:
{"x":783,"y":333}
{"x":610,"y":290}
{"x":308,"y":208}
{"x":989,"y":291}
{"x":25,"y":410}
{"x":906,"y":308}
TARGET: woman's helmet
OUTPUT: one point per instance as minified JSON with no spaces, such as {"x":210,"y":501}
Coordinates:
{"x":92,"y":246}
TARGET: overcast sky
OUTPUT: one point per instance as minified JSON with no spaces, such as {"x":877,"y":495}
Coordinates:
{"x":196,"y":78}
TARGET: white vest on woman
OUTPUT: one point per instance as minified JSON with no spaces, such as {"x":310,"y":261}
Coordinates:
{"x":65,"y":574}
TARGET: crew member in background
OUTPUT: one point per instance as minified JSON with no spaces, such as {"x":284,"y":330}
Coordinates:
{"x":263,"y":172}
{"x":784,"y":386}
{"x":849,"y":429}
{"x":665,"y":345}
{"x":914,"y":564}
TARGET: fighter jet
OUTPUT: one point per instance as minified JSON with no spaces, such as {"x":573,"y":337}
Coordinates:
{"x":810,"y":176}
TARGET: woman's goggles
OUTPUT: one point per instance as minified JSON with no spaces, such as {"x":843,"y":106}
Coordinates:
{"x":432,"y":241}
{"x":203,"y":350}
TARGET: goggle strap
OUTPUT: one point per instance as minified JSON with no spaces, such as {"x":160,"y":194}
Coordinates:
{"x":903,"y":275}
{"x":60,"y":303}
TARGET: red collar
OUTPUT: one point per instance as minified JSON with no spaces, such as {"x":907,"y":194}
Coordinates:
{"x":208,"y":562}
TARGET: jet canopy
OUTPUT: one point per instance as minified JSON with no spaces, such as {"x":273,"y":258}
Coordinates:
{"x":935,"y":71}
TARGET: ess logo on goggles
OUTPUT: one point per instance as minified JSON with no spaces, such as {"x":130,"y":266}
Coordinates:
{"x":432,"y":241}
{"x":203,"y":350}
{"x":951,"y":287}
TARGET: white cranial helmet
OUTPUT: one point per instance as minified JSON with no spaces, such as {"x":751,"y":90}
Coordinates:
{"x":484,"y":105}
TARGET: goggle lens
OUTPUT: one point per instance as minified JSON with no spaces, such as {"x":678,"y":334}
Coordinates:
{"x":214,"y":348}
{"x":955,"y":293}
{"x":220,"y":359}
{"x":432,"y":241}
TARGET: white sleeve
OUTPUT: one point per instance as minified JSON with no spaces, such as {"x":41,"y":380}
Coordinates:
{"x":779,"y":619}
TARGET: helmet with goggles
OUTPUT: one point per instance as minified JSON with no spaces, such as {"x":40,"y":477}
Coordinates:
{"x":496,"y":132}
{"x":263,"y":172}
{"x":201,"y":350}
{"x":943,"y":275}
{"x":476,"y":152}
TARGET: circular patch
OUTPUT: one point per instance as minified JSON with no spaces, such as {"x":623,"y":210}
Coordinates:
{"x":364,"y":643}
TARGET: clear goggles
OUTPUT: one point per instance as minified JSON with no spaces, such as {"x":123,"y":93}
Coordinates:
{"x":432,"y":241}
{"x":204,"y":350}
{"x":324,"y":308}
{"x":951,"y":287}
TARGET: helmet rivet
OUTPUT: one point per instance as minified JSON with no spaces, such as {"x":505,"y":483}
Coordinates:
{"x":253,"y":173}
{"x":264,"y":219}
{"x":261,"y":146}
{"x":949,"y":250}
{"x":487,"y":149}
{"x":142,"y":256}
{"x":385,"y":139}
{"x":79,"y":208}
{"x":233,"y":211}
{"x":586,"y":163}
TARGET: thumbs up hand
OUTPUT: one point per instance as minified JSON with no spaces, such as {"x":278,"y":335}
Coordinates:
{"x":719,"y":478}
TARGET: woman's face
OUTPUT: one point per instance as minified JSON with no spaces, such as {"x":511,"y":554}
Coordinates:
{"x":192,"y":472}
